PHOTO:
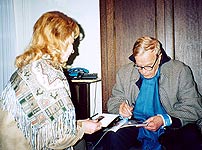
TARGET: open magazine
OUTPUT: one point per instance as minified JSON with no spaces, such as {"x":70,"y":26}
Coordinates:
{"x":127,"y":123}
{"x":106,"y":119}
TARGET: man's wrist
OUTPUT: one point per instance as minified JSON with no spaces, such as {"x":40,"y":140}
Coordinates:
{"x":167,"y":121}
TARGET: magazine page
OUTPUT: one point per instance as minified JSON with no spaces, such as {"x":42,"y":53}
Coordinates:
{"x":106,"y":118}
{"x":127,"y":123}
{"x":135,"y":123}
{"x":118,"y":125}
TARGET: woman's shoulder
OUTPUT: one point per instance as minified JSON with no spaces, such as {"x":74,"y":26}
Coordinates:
{"x":42,"y":67}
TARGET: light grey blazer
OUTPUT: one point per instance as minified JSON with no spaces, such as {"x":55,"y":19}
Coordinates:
{"x":177,"y":90}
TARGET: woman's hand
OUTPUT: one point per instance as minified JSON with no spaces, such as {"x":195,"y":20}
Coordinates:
{"x":154,"y":123}
{"x":125,"y":110}
{"x":91,"y":126}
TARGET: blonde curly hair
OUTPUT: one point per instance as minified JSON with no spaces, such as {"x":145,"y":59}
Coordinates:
{"x":50,"y":37}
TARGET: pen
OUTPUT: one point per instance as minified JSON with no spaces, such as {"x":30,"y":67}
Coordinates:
{"x":127,"y":102}
{"x":93,"y":116}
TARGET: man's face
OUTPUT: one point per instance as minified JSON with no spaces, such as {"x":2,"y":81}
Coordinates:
{"x":149,"y":59}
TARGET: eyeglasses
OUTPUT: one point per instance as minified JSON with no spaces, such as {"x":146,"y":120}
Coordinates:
{"x":148,"y":68}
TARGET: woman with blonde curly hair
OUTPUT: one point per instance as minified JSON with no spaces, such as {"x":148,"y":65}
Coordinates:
{"x":36,"y":111}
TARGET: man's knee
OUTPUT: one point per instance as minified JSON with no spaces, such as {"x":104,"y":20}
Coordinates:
{"x":188,"y":136}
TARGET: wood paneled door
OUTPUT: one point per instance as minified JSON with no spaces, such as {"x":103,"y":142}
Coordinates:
{"x":176,"y":23}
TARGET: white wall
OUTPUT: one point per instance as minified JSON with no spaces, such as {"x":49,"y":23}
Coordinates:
{"x":86,"y":13}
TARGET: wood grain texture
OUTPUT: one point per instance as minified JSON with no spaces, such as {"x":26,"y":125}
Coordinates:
{"x":107,"y":52}
{"x":188,"y":35}
{"x":176,"y":23}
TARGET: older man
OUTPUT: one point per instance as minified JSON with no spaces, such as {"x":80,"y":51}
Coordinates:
{"x":164,"y":95}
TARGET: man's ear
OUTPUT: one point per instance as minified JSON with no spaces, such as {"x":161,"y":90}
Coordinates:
{"x":158,"y":53}
{"x":132,"y":58}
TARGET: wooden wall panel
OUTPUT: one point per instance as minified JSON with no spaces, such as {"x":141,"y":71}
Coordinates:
{"x":188,"y":35}
{"x":164,"y":19}
{"x":176,"y":23}
{"x":133,"y":19}
{"x":107,"y":46}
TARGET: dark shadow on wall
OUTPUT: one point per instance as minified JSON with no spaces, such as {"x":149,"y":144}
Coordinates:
{"x":73,"y":87}
{"x":76,"y":44}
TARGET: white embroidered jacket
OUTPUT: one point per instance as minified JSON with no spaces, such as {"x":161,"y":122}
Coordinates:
{"x":36,"y":110}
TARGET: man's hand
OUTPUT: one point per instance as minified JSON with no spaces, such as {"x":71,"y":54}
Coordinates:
{"x":125,"y":110}
{"x":154,"y":123}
